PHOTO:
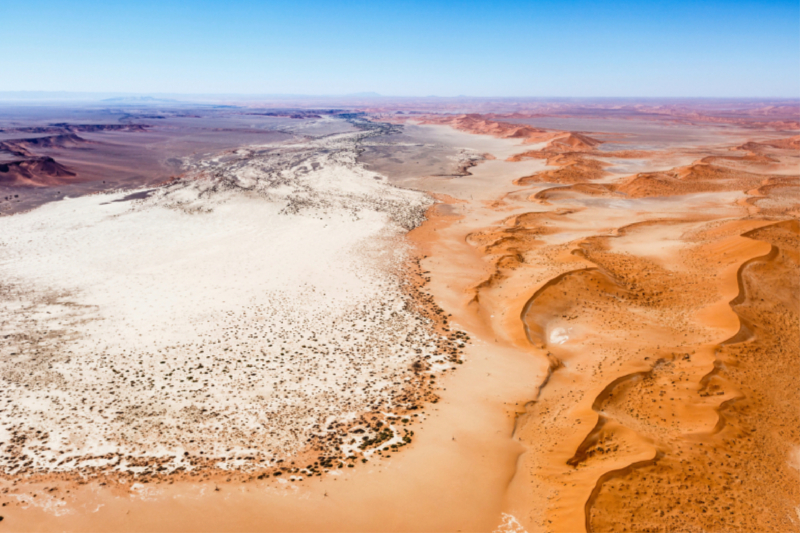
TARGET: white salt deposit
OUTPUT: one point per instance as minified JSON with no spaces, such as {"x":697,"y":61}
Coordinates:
{"x":234,"y":315}
{"x":559,"y":336}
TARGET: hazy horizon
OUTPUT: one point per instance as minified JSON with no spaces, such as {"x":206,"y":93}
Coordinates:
{"x":156,"y":98}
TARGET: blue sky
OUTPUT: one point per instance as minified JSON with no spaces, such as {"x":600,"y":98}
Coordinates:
{"x":410,"y":48}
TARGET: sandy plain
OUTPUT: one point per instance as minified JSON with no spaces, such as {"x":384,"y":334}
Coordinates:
{"x":619,"y":306}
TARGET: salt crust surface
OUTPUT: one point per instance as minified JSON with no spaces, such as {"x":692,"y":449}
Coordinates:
{"x":237,"y":313}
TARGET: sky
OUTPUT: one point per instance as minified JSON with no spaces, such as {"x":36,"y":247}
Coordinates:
{"x":410,"y":48}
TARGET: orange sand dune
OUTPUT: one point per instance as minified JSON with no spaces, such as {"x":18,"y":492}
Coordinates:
{"x":792,"y":143}
{"x":700,"y":177}
{"x":642,"y":422}
{"x":585,"y":189}
{"x":707,"y":481}
{"x":479,"y":124}
{"x":573,"y":142}
{"x":572,"y":169}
